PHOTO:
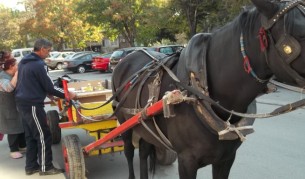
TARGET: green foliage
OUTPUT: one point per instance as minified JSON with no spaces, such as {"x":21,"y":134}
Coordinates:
{"x":58,"y":21}
{"x":140,"y":22}
{"x":10,"y":36}
{"x":137,"y":20}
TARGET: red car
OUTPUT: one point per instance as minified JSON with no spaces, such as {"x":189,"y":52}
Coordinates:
{"x":101,"y":62}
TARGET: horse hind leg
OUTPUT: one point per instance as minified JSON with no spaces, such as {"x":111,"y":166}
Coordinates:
{"x":146,"y":150}
{"x":222,"y":169}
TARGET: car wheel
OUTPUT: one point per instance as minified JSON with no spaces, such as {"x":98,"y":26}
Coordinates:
{"x":59,"y":66}
{"x":81,"y":69}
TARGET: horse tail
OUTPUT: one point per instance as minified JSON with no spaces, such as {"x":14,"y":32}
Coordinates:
{"x":152,"y":161}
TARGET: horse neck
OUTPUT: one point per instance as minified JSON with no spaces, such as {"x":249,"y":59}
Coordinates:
{"x":228,"y":82}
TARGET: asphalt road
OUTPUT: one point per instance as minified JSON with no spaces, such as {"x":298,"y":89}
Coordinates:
{"x":274,"y":151}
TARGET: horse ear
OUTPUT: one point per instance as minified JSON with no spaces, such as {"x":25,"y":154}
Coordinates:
{"x":266,"y":7}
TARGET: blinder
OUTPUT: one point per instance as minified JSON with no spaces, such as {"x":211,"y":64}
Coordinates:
{"x":288,"y":47}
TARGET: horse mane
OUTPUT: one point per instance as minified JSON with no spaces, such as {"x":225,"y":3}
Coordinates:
{"x":244,"y":21}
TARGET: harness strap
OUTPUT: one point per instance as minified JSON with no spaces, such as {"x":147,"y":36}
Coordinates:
{"x":163,"y":140}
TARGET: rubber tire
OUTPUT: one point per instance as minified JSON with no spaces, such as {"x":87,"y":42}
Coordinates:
{"x":81,"y":69}
{"x":59,"y":66}
{"x":165,"y":157}
{"x":53,"y":122}
{"x":73,"y":157}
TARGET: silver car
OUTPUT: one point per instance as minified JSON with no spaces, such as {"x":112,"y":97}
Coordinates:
{"x":56,"y":60}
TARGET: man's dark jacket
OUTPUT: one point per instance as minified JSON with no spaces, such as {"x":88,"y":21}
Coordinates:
{"x":34,"y":83}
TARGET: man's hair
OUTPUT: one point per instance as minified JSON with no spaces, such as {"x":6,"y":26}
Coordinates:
{"x":42,"y":43}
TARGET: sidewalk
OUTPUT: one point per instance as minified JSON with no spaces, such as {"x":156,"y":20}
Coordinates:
{"x":14,"y":168}
{"x":114,"y":166}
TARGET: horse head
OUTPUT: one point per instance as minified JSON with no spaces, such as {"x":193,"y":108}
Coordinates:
{"x":284,"y":23}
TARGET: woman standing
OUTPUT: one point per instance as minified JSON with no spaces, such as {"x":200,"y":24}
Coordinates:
{"x":10,"y":122}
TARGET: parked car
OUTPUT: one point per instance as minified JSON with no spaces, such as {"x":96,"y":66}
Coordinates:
{"x":101,"y":63}
{"x":77,"y":54}
{"x":117,"y":56}
{"x":53,"y":53}
{"x":18,"y":54}
{"x":80,"y":62}
{"x":55,"y":61}
{"x":167,"y":49}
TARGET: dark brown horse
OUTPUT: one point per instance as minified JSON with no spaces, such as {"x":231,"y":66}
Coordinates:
{"x":232,"y":65}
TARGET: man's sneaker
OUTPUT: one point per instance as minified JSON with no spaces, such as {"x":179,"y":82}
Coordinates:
{"x":52,"y":171}
{"x":31,"y":172}
{"x":16,"y":155}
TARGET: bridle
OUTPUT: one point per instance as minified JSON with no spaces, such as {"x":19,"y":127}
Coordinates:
{"x":287,"y":47}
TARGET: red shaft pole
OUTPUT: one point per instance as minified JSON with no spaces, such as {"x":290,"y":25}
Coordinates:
{"x":65,"y":86}
{"x":150,"y":111}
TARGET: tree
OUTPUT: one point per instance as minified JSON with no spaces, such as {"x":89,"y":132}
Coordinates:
{"x":205,"y":15}
{"x":137,"y":21}
{"x":58,"y":21}
{"x":9,"y":28}
{"x":191,"y":11}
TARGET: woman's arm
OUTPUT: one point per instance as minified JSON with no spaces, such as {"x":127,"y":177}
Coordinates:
{"x":14,"y":79}
{"x":6,"y":85}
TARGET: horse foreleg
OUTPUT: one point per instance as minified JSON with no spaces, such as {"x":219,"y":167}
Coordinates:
{"x":222,"y":169}
{"x":187,"y":166}
{"x":145,"y":150}
{"x":129,"y":152}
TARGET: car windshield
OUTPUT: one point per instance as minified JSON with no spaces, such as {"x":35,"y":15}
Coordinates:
{"x":26,"y":52}
{"x":52,"y":54}
{"x":117,"y":53}
{"x":166,"y":50}
{"x":151,"y":48}
{"x":56,"y":55}
{"x":74,"y":55}
{"x":106,"y":55}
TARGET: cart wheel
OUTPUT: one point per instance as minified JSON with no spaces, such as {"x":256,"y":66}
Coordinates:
{"x":73,"y":157}
{"x":53,"y":120}
{"x":165,"y":157}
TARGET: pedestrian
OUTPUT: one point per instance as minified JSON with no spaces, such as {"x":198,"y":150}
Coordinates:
{"x":4,"y":55}
{"x":33,"y":85}
{"x":10,"y":121}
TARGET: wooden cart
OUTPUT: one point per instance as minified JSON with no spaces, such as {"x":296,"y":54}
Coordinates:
{"x":98,"y":124}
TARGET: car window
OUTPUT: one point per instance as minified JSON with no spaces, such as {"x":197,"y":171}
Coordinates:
{"x":128,"y":52}
{"x":151,"y":49}
{"x":95,"y":54}
{"x":16,"y":54}
{"x":53,"y":53}
{"x":24,"y":53}
{"x":56,"y":55}
{"x":177,"y":48}
{"x":166,"y":50}
{"x":85,"y":57}
{"x":75,"y":55}
{"x":64,"y":55}
{"x":106,"y":55}
{"x":117,"y":53}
